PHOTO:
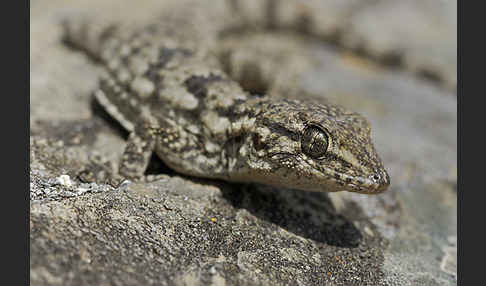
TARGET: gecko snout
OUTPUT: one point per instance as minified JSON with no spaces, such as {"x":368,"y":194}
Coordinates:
{"x":381,"y":180}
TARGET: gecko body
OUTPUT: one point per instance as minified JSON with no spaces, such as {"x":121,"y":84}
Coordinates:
{"x":177,"y":101}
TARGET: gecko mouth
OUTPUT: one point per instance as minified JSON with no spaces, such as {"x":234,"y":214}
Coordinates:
{"x":373,"y":184}
{"x":330,"y":180}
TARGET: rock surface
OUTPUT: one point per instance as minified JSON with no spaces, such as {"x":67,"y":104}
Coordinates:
{"x":185,"y":231}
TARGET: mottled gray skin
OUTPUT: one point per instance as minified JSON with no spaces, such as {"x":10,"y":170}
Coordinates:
{"x":176,"y":101}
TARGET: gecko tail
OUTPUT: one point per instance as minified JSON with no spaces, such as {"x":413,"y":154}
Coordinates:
{"x":84,"y":33}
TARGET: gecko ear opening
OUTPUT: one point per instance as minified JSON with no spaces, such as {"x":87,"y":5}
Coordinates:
{"x":258,"y":143}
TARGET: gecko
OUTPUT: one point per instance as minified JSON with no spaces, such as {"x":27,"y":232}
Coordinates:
{"x":177,"y":101}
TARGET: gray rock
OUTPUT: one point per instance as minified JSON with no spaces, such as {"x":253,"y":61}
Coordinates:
{"x":422,"y":35}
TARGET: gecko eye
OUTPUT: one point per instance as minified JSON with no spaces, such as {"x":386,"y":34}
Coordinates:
{"x":314,"y":141}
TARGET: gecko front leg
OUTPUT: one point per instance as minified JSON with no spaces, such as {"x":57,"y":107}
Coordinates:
{"x":137,"y":154}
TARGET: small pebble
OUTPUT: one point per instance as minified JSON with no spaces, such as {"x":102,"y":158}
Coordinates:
{"x":81,"y":190}
{"x":64,"y":180}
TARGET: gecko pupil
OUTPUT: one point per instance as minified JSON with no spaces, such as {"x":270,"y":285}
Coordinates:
{"x":314,"y":142}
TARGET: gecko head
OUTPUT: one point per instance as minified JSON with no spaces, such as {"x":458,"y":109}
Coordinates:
{"x":314,"y":147}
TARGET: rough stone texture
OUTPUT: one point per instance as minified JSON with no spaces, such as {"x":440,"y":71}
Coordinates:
{"x":185,"y":231}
